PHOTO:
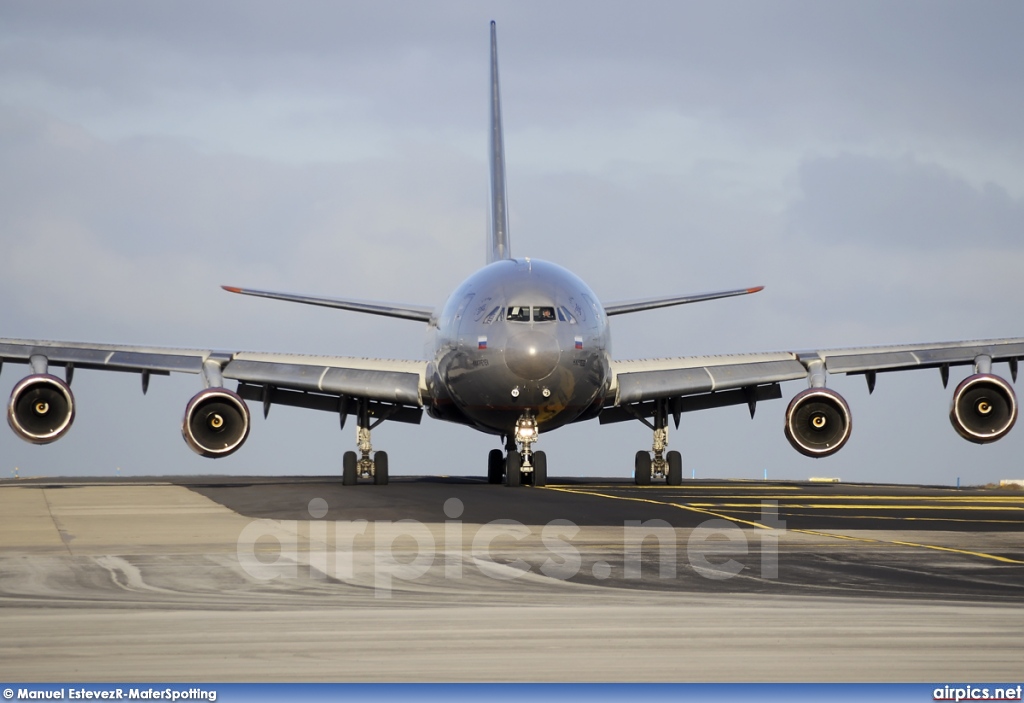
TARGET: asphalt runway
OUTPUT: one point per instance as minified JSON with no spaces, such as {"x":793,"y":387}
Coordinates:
{"x":451,"y":579}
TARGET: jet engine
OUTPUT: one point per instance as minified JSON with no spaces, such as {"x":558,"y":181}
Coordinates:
{"x":818,"y":422}
{"x":216,"y":422}
{"x":42,"y":408}
{"x":984,"y":408}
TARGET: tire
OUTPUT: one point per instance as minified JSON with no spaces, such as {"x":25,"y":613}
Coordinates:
{"x":495,"y":466}
{"x":642,"y":475}
{"x":513,"y":477}
{"x":540,"y":469}
{"x":380,"y":468}
{"x":675,"y":469}
{"x":348,"y":469}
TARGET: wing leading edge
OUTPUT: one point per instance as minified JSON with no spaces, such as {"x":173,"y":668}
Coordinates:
{"x":623,"y":307}
{"x":318,"y":382}
{"x":695,"y":383}
{"x":419,"y":313}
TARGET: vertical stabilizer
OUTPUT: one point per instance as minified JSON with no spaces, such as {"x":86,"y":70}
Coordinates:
{"x":498,"y":247}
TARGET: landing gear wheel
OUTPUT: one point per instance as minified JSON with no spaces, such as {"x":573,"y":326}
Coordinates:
{"x":540,"y":469}
{"x":495,"y":466}
{"x":675,"y":469}
{"x":642,"y":475}
{"x":348,"y":469}
{"x":512,"y":475}
{"x":380,"y":468}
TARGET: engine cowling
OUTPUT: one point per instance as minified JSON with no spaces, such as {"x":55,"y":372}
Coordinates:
{"x":818,"y":422}
{"x":41,"y":409}
{"x":216,"y":422}
{"x":984,"y":408}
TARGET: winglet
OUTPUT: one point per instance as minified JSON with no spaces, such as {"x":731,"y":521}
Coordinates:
{"x":232,"y":289}
{"x":499,"y":247}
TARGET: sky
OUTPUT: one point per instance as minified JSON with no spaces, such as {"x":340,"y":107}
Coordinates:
{"x":861,"y":160}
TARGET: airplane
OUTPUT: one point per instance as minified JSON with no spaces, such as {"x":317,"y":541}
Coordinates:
{"x":520,"y":348}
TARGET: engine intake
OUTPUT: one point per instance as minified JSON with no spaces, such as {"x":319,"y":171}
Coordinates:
{"x":984,"y":408}
{"x":216,"y":422}
{"x":818,"y":422}
{"x":42,"y":408}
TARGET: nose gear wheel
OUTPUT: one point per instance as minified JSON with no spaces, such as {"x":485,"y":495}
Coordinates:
{"x":522,"y":465}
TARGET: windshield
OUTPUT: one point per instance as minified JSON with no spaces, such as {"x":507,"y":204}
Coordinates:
{"x":521,"y":313}
{"x":518,"y":313}
{"x":543,"y":314}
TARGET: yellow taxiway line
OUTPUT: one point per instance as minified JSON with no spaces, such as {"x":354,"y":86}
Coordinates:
{"x":699,"y":508}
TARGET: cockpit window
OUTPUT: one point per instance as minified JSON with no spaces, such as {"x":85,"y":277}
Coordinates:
{"x":518,"y":313}
{"x":543,"y":314}
{"x":521,"y":313}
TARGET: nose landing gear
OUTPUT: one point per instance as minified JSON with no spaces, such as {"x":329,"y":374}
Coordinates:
{"x":520,"y":465}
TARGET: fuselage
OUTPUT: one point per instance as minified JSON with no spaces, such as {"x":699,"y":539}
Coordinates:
{"x":519,"y":336}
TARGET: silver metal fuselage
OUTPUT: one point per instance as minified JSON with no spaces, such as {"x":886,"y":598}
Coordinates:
{"x":488,"y":371}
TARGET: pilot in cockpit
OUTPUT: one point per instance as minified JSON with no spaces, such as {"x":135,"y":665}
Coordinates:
{"x":543,"y":314}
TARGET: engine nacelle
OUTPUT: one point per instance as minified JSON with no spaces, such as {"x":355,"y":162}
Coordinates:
{"x":984,"y":408}
{"x":216,"y":422}
{"x":818,"y":422}
{"x":42,"y":408}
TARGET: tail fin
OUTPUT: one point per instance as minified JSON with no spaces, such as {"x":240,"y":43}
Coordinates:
{"x":499,"y":243}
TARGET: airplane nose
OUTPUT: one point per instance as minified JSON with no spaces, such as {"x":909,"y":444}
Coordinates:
{"x":532,"y":355}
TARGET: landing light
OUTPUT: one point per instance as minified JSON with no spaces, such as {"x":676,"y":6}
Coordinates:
{"x":526,"y":430}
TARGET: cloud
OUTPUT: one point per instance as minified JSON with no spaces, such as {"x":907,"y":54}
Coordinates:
{"x":905,"y":249}
{"x":903,"y":203}
{"x":145,"y":230}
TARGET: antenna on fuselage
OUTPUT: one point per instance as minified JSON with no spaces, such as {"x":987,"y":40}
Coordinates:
{"x":499,"y":243}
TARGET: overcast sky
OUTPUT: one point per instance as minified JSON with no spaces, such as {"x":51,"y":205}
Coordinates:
{"x":862,"y":160}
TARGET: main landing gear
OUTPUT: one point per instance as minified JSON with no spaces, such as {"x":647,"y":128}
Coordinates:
{"x":519,"y":466}
{"x":666,"y":465}
{"x":368,"y":464}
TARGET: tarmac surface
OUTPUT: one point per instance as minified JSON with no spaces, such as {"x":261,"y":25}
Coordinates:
{"x":451,"y":579}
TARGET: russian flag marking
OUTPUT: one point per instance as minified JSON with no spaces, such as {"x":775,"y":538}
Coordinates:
{"x":579,"y":342}
{"x":481,"y":342}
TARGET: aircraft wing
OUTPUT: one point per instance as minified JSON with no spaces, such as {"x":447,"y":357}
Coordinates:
{"x":626,"y":306}
{"x":420,"y":313}
{"x":319,"y":382}
{"x":695,"y":383}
